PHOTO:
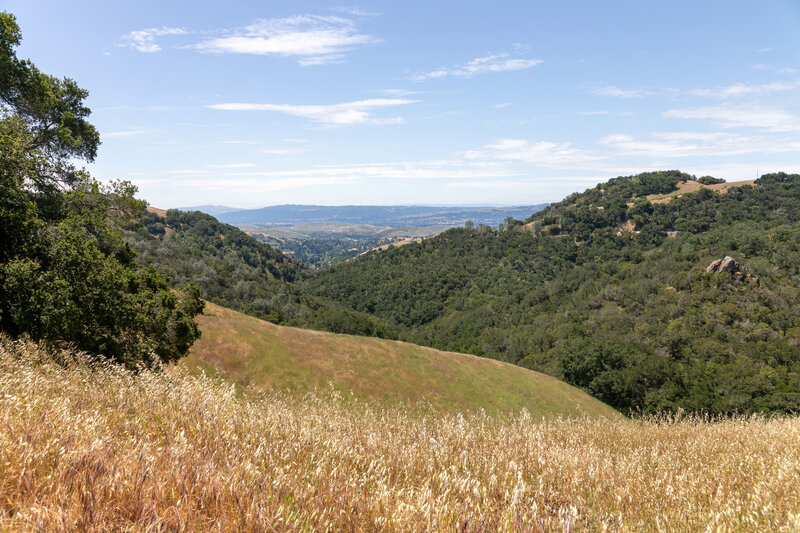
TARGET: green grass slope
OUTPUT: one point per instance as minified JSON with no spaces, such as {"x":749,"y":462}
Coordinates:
{"x":262,"y":356}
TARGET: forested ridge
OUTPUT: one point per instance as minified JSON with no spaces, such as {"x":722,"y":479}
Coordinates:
{"x":235,"y":270}
{"x":610,"y":292}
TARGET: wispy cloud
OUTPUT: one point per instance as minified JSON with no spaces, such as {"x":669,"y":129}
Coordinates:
{"x":346,"y":114}
{"x":724,"y":92}
{"x":355,"y":11}
{"x":616,"y":92}
{"x":400,"y":92}
{"x":687,"y":143}
{"x":501,"y":62}
{"x":400,"y":170}
{"x":744,"y":89}
{"x":542,"y":153}
{"x":126,"y":133}
{"x":503,"y":105}
{"x":310,"y":39}
{"x":741,"y":116}
{"x":282,"y":151}
{"x":232,"y":165}
{"x":145,"y":40}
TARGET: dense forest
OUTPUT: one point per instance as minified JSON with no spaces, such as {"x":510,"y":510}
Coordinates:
{"x":234,"y":270}
{"x":609,"y":291}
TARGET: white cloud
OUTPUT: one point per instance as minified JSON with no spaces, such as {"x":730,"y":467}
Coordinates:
{"x":126,"y":133}
{"x":504,"y":105}
{"x":743,"y":89}
{"x":145,"y":40}
{"x":702,"y":144}
{"x":346,"y":114}
{"x":501,"y":62}
{"x":356,"y":12}
{"x":311,"y":39}
{"x":616,"y":92}
{"x":232,"y":165}
{"x":400,"y":92}
{"x":282,"y":151}
{"x":741,"y":116}
{"x":543,"y":153}
{"x":574,"y":181}
{"x":254,"y":181}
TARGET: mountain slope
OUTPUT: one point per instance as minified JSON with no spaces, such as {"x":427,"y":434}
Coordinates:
{"x":233,"y":269}
{"x":264,"y":356}
{"x":610,"y":292}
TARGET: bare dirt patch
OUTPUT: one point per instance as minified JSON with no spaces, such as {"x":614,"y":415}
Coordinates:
{"x":685,"y":187}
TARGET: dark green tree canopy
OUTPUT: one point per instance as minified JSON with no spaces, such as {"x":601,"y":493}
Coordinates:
{"x":65,"y":272}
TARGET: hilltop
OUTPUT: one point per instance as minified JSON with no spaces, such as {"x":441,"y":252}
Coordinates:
{"x":609,"y":291}
{"x":261,"y":356}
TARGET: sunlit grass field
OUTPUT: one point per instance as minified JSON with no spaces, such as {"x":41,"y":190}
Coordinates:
{"x":91,"y":447}
{"x":262,"y":356}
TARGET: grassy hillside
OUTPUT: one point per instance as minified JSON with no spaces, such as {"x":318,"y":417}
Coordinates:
{"x":264,"y":356}
{"x":96,"y":448}
{"x":610,"y":292}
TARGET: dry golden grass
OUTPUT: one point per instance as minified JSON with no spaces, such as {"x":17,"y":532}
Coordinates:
{"x":95,"y":448}
{"x":694,"y":186}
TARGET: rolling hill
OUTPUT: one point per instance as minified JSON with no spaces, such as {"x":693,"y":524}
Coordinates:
{"x":262,"y":356}
{"x":611,"y":291}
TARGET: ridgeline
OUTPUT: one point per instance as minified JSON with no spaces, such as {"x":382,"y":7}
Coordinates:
{"x":608,"y":290}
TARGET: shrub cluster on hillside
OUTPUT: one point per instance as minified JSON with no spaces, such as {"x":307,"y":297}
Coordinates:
{"x":626,"y":311}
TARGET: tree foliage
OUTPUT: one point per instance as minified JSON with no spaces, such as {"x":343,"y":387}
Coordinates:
{"x":235,"y":270}
{"x":609,"y":291}
{"x":65,"y":273}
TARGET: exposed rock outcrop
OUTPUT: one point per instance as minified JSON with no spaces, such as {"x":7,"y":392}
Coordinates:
{"x":730,"y":265}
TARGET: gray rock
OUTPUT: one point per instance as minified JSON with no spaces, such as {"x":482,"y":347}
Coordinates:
{"x":713,"y":266}
{"x":731,"y":266}
{"x":728,"y":264}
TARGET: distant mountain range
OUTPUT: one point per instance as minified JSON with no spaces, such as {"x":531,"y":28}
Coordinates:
{"x":213,"y":210}
{"x":393,"y":216}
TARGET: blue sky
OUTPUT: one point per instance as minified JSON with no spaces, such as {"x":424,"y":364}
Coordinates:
{"x":261,"y":103}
